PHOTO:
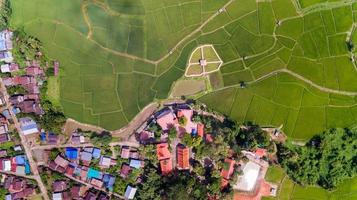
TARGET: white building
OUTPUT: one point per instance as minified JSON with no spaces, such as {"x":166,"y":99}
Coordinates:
{"x":248,"y":180}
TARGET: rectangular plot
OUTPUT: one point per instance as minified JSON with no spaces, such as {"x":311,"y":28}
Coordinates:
{"x":268,"y":67}
{"x":329,"y":22}
{"x":216,"y":80}
{"x":221,"y":100}
{"x":267,"y":20}
{"x":312,"y":21}
{"x":346,"y":73}
{"x":283,"y":9}
{"x":174,"y":18}
{"x":337,"y":44}
{"x":280,"y":116}
{"x":112,"y":121}
{"x":312,"y":99}
{"x":235,"y":9}
{"x":289,"y":125}
{"x":292,"y":28}
{"x":141,"y":66}
{"x":320,"y":41}
{"x":232,"y":67}
{"x":163,"y":83}
{"x":265,"y":87}
{"x":314,"y":192}
{"x":89,"y":118}
{"x":241,"y":105}
{"x":73,"y":88}
{"x":308,"y":69}
{"x":343,"y":18}
{"x":217,"y":22}
{"x":136,"y":41}
{"x":226,"y":52}
{"x":339,"y":117}
{"x":191,"y":13}
{"x":331,"y":74}
{"x":236,"y":77}
{"x":311,"y":121}
{"x":289,"y":94}
{"x":73,"y":110}
{"x":266,"y":111}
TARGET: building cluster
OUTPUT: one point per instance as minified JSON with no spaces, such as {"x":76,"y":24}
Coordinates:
{"x":63,"y":191}
{"x":179,"y":118}
{"x":6,"y":46}
{"x":30,"y":82}
{"x":76,"y":164}
{"x":18,"y":187}
{"x":17,"y":164}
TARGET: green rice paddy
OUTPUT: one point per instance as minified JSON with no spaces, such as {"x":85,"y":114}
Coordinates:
{"x":289,"y":190}
{"x":118,"y":56}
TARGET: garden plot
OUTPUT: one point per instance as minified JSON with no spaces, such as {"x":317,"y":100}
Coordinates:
{"x":203,"y":60}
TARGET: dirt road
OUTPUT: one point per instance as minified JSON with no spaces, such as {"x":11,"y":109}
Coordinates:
{"x":33,"y":164}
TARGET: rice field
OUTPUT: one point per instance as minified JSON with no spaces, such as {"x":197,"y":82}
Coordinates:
{"x":287,"y":189}
{"x":117,"y":57}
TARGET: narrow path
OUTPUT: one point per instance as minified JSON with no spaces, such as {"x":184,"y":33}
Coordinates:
{"x":33,"y":164}
{"x":298,"y":76}
{"x":112,"y":144}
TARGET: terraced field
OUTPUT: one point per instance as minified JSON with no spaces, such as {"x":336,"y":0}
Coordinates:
{"x":118,"y":56}
{"x":289,"y":190}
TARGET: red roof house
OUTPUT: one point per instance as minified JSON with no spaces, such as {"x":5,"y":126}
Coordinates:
{"x":260,"y":152}
{"x":162,"y":151}
{"x":200,"y":129}
{"x":228,"y":168}
{"x":183,"y":157}
{"x":166,"y":166}
{"x":34,"y":71}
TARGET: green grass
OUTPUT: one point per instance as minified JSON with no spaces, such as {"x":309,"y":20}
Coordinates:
{"x":275,"y":174}
{"x":53,"y":90}
{"x":110,"y":69}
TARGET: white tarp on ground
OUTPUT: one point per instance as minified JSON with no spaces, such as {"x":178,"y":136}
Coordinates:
{"x":247,"y":181}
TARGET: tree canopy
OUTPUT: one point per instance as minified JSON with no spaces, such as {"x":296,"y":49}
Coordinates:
{"x":326,"y":160}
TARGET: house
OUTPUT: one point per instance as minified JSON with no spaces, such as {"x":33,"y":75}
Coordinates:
{"x":17,"y":148}
{"x":8,"y":68}
{"x":200,"y":129}
{"x":183,"y":157}
{"x":97,"y":183}
{"x":20,"y":170}
{"x":105,"y":161}
{"x":59,"y":186}
{"x":28,"y":126}
{"x":92,"y":173}
{"x":137,"y":164}
{"x":96,"y":153}
{"x":134,"y":155}
{"x":125,"y":152}
{"x":3,"y":153}
{"x":108,"y":181}
{"x":75,"y":192}
{"x":60,"y":161}
{"x":52,"y":138}
{"x":228,"y":168}
{"x":6,"y":40}
{"x":90,"y":196}
{"x":71,"y":153}
{"x":166,"y":166}
{"x":57,"y":196}
{"x":164,"y":156}
{"x":167,"y":120}
{"x":4,"y":128}
{"x":6,"y":165}
{"x":16,"y":99}
{"x":6,"y":56}
{"x":248,"y":180}
{"x":162,"y":151}
{"x":259,"y":152}
{"x":4,"y":138}
{"x":146,"y":137}
{"x":56,"y":68}
{"x":189,"y":126}
{"x":70,"y":170}
{"x":30,"y":106}
{"x":130,"y":192}
{"x":125,"y":170}
{"x":34,"y":71}
{"x":86,"y":157}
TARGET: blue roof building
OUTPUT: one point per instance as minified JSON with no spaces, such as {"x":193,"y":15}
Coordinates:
{"x":27,"y":168}
{"x":96,"y":153}
{"x":92,"y":173}
{"x":20,"y":160}
{"x":71,"y":153}
{"x":43,"y":136}
{"x":109,"y":181}
{"x":135,"y":163}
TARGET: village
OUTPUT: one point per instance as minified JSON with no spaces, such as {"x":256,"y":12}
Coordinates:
{"x":35,"y":161}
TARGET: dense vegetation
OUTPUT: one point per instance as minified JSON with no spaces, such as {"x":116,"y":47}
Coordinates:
{"x":5,"y":13}
{"x":326,"y":160}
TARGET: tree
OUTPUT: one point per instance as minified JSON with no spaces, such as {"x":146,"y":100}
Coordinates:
{"x":326,"y":160}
